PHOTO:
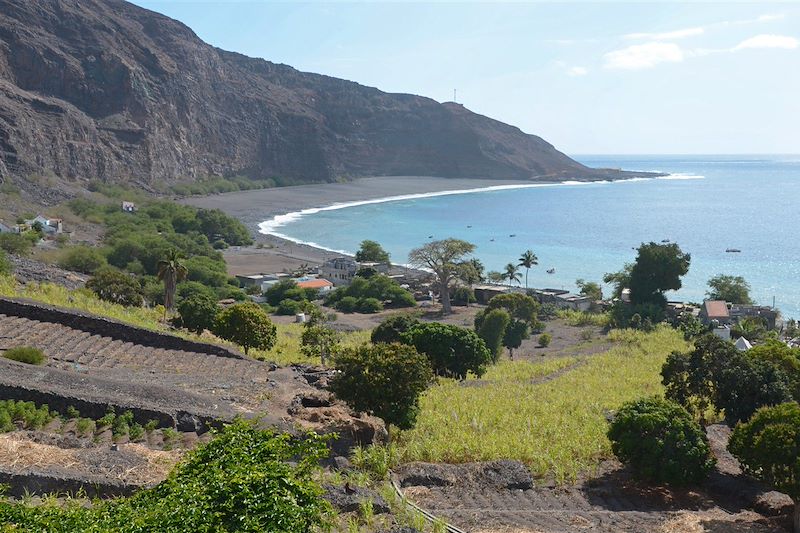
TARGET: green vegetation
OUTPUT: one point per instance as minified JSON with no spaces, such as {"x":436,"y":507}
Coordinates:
{"x":25,"y":413}
{"x":545,"y":339}
{"x":371,"y":252}
{"x":451,"y":350}
{"x":521,"y":311}
{"x":384,"y":379}
{"x":288,"y":290}
{"x":660,"y":442}
{"x":217,"y":185}
{"x":557,"y":431}
{"x":5,"y":263}
{"x":392,"y":328}
{"x":768,"y":447}
{"x":116,"y":287}
{"x":582,"y":318}
{"x":247,"y":325}
{"x":206,"y":492}
{"x":318,"y":341}
{"x":528,"y":260}
{"x":444,"y":258}
{"x":492,"y":330}
{"x":82,"y":258}
{"x":590,"y":289}
{"x":198,"y":312}
{"x":733,"y":289}
{"x":26,"y":354}
{"x":366,"y":295}
{"x":170,"y":271}
{"x":18,"y":243}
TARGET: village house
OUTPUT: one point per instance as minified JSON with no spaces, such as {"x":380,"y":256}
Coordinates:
{"x":321,"y":285}
{"x":339,"y":270}
{"x":563,"y":299}
{"x":5,"y":228}
{"x":766,"y":313}
{"x":129,"y":207}
{"x":255,"y":280}
{"x":484,"y":293}
{"x":50,"y":226}
{"x":715,"y":312}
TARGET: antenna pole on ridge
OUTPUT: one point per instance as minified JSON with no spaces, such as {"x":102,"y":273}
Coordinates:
{"x":454,"y":96}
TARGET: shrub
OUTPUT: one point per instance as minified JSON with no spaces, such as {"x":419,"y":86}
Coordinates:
{"x":492,"y":329}
{"x":348,"y":304}
{"x":5,"y":263}
{"x":544,"y":340}
{"x":744,"y":383}
{"x":451,"y":350}
{"x":247,"y":325}
{"x":82,"y":258}
{"x":660,"y":442}
{"x":318,"y":340}
{"x":283,"y":290}
{"x":768,"y":446}
{"x":392,"y":328}
{"x":385,"y":380}
{"x":369,"y":305}
{"x":25,"y":354}
{"x":198,"y":313}
{"x":288,"y":307}
{"x":463,"y":296}
{"x":116,"y":287}
{"x":245,"y":479}
{"x":379,"y":286}
{"x":15,"y":243}
{"x":27,"y":414}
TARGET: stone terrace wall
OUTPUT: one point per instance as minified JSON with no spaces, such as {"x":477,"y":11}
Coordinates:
{"x":108,"y":328}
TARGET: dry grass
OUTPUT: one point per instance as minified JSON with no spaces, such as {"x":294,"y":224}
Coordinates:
{"x":159,"y":464}
{"x":20,"y":453}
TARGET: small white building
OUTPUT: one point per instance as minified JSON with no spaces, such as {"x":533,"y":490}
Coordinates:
{"x":128,"y":207}
{"x":322,"y":286}
{"x":742,"y":344}
{"x":50,"y":226}
{"x":6,"y":229}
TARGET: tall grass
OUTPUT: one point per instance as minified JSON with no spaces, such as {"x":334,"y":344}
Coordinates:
{"x":582,"y":318}
{"x":286,"y":351}
{"x":558,"y":428}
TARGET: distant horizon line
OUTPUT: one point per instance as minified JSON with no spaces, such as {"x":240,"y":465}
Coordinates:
{"x":662,"y":154}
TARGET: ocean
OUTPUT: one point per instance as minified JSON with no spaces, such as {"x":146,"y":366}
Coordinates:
{"x":707,"y":204}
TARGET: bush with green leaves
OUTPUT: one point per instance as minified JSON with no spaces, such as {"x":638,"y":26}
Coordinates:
{"x":288,"y":307}
{"x":768,"y":448}
{"x":26,"y":414}
{"x":5,"y":263}
{"x":545,"y":339}
{"x":16,"y":243}
{"x":26,"y":354}
{"x":287,"y":290}
{"x":318,"y":340}
{"x":116,"y":287}
{"x":452,"y":351}
{"x":745,"y":383}
{"x":381,"y":287}
{"x":82,"y":258}
{"x":492,"y":330}
{"x":348,"y":304}
{"x":198,"y":313}
{"x":660,"y":442}
{"x":392,"y":328}
{"x":245,"y":479}
{"x":383,"y":379}
{"x":371,"y":252}
{"x":369,"y":305}
{"x":247,"y":325}
{"x":463,"y":296}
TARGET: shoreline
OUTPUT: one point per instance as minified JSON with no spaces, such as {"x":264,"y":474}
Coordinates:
{"x":263,"y":211}
{"x":277,"y":253}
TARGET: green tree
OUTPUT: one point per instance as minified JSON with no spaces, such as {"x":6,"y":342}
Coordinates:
{"x":590,"y":289}
{"x":247,"y":325}
{"x":319,"y":340}
{"x":733,"y":289}
{"x":752,"y":328}
{"x":216,"y":225}
{"x":371,"y":252}
{"x":82,"y":258}
{"x":442,"y":258}
{"x":493,"y":329}
{"x":392,"y":328}
{"x":660,"y":442}
{"x":116,"y":287}
{"x":620,"y":280}
{"x":658,"y":268}
{"x":511,"y":274}
{"x":198,"y":312}
{"x":528,"y":260}
{"x":385,"y":380}
{"x":768,"y":447}
{"x":519,"y":306}
{"x":516,"y":332}
{"x":494,"y":276}
{"x":744,"y":384}
{"x":453,"y":351}
{"x":170,"y":271}
{"x":15,"y":243}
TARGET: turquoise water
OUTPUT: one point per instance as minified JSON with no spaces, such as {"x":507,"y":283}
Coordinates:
{"x":710,"y":203}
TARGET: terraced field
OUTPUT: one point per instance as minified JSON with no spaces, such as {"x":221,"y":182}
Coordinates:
{"x":238,"y":380}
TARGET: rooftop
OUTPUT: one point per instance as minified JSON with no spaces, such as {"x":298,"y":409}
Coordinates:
{"x":716,"y":309}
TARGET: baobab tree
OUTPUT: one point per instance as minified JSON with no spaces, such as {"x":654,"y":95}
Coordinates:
{"x":443,"y":258}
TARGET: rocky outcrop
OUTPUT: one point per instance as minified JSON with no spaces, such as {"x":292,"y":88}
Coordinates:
{"x":106,"y":90}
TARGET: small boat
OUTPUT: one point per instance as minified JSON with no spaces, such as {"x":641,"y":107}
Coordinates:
{"x":732,"y":250}
{"x":551,"y":270}
{"x":664,"y":241}
{"x":430,"y":236}
{"x":469,"y":226}
{"x":491,"y":240}
{"x":513,"y":235}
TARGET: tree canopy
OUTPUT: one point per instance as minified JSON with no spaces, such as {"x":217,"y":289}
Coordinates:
{"x":371,"y":252}
{"x":247,"y":325}
{"x":453,"y":351}
{"x":443,"y":258}
{"x":658,"y":268}
{"x":733,"y":289}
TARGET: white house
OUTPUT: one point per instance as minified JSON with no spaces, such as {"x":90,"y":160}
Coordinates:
{"x":50,"y":226}
{"x":6,"y":229}
{"x":339,"y":270}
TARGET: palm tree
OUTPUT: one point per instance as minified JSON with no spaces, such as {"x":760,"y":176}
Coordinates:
{"x":171,"y":271}
{"x":528,"y":260}
{"x":512,"y":274}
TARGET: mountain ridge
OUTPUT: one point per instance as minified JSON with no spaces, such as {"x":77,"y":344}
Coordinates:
{"x":106,"y":90}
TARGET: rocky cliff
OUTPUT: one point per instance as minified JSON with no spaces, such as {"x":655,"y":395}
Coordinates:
{"x":106,"y":90}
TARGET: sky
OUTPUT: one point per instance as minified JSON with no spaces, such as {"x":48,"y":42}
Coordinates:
{"x":589,"y":77}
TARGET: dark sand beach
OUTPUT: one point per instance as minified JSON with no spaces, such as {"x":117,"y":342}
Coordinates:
{"x":273,"y":254}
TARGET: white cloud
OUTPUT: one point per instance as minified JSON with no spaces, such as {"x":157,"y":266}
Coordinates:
{"x":577,"y":71}
{"x":641,"y":56}
{"x":768,"y":41}
{"x":665,"y":36}
{"x":770,"y":18}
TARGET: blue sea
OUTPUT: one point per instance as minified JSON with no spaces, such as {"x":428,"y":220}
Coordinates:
{"x":707,"y":205}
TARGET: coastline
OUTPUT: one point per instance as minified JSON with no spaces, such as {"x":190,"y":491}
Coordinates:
{"x":275,"y":253}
